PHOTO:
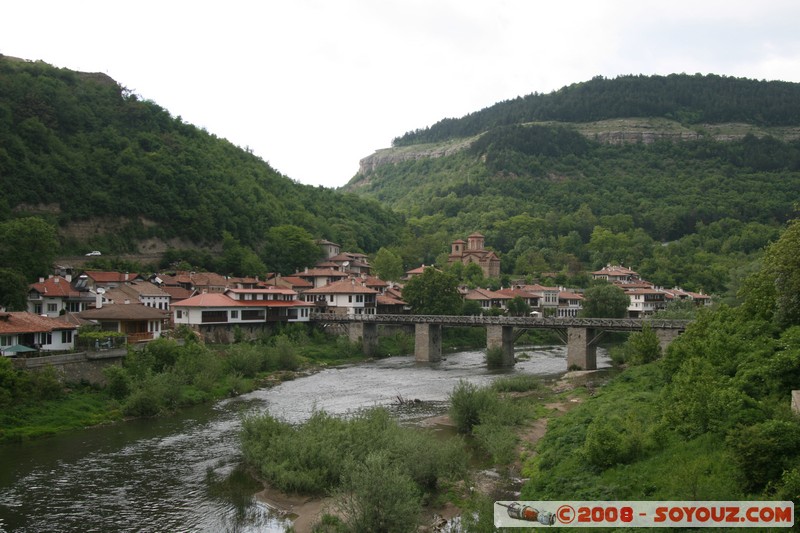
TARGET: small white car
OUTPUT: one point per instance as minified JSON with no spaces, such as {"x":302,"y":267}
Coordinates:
{"x":95,"y":252}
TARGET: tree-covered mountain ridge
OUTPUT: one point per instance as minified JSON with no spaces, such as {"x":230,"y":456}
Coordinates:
{"x":610,"y":131}
{"x":116,"y":172}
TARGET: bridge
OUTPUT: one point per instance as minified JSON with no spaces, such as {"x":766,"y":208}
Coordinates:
{"x":581,"y":335}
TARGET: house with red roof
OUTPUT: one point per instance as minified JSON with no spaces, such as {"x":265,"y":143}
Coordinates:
{"x":143,"y":292}
{"x":93,"y":280}
{"x":645,"y":302}
{"x":137,"y":321}
{"x":570,"y":303}
{"x":531,"y":298}
{"x":319,"y":277}
{"x":615,"y":273}
{"x":56,"y":295}
{"x":348,"y":296}
{"x":215,"y":315}
{"x":488,"y":299}
{"x":29,"y":330}
{"x":295,"y":283}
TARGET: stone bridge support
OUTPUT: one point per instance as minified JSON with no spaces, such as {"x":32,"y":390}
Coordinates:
{"x":367,"y":334}
{"x":428,"y":343}
{"x":581,"y":349}
{"x":501,"y":337}
{"x":665,"y":337}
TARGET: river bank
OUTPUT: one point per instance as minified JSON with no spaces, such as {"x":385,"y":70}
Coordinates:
{"x":180,"y":471}
{"x":490,"y":482}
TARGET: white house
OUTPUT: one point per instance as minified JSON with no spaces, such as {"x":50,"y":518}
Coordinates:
{"x":23,"y":329}
{"x":250,"y":308}
{"x":349,"y":296}
{"x":143,"y":292}
{"x":55,"y":296}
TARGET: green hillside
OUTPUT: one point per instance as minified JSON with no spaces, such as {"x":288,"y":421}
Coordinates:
{"x":716,"y":183}
{"x":77,"y":149}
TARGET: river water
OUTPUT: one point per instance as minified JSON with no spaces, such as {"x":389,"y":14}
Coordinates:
{"x":184,"y":472}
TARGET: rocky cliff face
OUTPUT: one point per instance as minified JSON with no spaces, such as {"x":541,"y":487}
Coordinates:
{"x":389,"y":156}
{"x":616,"y":132}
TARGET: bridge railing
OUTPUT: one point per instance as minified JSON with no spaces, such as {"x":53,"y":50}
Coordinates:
{"x":618,"y":324}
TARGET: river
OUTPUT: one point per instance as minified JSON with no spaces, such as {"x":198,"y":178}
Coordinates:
{"x":184,"y":473}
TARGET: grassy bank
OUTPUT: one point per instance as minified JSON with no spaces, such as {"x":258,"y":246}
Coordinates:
{"x":163,"y":376}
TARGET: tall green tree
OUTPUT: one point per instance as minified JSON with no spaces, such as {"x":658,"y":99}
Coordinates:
{"x":13,"y":289}
{"x":387,"y":265}
{"x":240,"y":260}
{"x":290,"y":248}
{"x":433,"y":293}
{"x":605,"y":301}
{"x":29,"y":246}
{"x":518,"y":307}
{"x":782,"y":263}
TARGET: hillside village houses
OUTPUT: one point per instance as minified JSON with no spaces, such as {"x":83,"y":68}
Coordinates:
{"x":215,"y":305}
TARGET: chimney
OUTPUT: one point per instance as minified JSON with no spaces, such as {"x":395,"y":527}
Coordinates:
{"x":98,"y":301}
{"x":56,"y":279}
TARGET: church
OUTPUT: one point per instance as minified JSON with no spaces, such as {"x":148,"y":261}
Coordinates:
{"x":472,"y":251}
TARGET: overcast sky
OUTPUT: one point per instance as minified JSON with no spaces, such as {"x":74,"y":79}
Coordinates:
{"x":312,"y":86}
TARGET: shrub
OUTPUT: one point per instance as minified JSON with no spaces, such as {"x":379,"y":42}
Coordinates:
{"x":376,"y":497}
{"x":642,"y":347}
{"x":245,"y":359}
{"x":494,"y":357}
{"x":517,"y":383}
{"x":763,"y":451}
{"x":119,"y":382}
{"x":498,"y":440}
{"x":468,"y":403}
{"x":286,"y":355}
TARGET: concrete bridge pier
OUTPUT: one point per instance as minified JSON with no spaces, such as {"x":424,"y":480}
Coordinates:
{"x":665,"y":337}
{"x":428,"y":343}
{"x":581,"y":349}
{"x":367,"y":334}
{"x":501,"y":337}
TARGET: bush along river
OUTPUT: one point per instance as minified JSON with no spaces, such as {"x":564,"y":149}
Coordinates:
{"x":184,"y":472}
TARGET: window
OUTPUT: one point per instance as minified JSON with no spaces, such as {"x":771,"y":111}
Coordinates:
{"x":52,"y":308}
{"x":66,"y":336}
{"x":234,"y":314}
{"x":214,"y":316}
{"x":179,"y":314}
{"x":45,"y":338}
{"x":5,"y":340}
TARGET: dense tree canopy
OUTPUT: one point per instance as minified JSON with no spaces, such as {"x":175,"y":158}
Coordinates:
{"x":692,"y":99}
{"x":433,"y":293}
{"x":91,"y":149}
{"x":605,"y":301}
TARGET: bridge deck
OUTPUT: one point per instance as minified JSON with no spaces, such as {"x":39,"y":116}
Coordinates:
{"x":609,"y":324}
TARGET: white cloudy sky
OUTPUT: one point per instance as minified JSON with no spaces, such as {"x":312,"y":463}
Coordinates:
{"x":312,"y":86}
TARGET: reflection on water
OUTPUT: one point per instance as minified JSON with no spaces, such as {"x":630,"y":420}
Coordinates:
{"x":184,"y":473}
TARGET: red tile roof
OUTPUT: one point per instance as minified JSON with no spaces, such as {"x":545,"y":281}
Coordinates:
{"x":24,"y":322}
{"x":55,"y":287}
{"x":131,"y":311}
{"x":345,"y":286}
{"x":111,"y":277}
{"x":219,"y":300}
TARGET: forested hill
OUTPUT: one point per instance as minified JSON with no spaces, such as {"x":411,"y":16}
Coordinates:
{"x":658,"y":179}
{"x":687,"y":99}
{"x":79,"y":150}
